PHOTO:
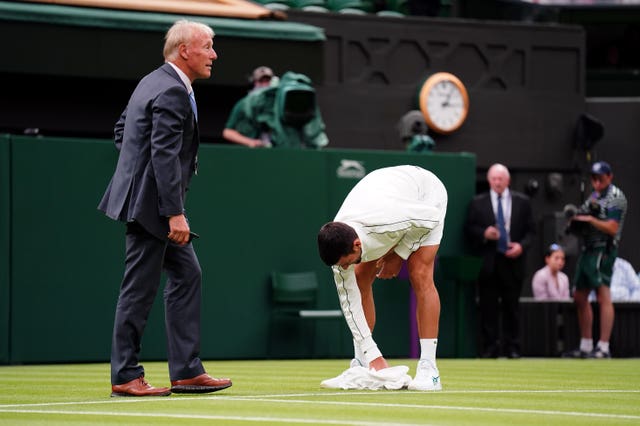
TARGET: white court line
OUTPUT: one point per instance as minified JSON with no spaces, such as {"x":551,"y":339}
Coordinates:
{"x":447,"y":392}
{"x":217,"y":417}
{"x":450,"y":407}
{"x":125,"y":400}
{"x":284,"y":398}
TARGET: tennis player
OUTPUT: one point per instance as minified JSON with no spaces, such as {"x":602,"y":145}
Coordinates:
{"x":392,"y":215}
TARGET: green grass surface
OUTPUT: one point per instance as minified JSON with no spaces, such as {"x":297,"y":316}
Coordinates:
{"x":475,"y":392}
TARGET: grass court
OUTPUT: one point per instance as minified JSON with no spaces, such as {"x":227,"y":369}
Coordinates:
{"x":528,"y":391}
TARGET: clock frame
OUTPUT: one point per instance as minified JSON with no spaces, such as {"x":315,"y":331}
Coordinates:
{"x":444,"y":102}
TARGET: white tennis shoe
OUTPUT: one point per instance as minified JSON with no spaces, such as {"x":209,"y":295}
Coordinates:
{"x":427,"y":378}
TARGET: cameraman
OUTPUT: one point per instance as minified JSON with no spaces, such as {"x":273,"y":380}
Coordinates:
{"x":242,"y":129}
{"x":602,"y":216}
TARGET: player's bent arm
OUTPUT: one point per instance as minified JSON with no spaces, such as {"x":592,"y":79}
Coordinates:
{"x":351,"y":305}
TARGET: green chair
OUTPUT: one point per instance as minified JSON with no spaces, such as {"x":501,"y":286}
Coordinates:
{"x":294,"y":311}
{"x":390,"y":14}
{"x":275,"y":4}
{"x":350,"y":6}
{"x":310,"y":5}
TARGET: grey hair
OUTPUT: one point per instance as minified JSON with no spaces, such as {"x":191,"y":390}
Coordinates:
{"x":182,"y":31}
{"x":499,"y":167}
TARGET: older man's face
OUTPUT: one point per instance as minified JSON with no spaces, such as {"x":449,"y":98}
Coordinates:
{"x":498,"y":179}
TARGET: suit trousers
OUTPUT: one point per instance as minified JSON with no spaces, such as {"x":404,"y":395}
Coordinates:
{"x":146,"y":258}
{"x":499,"y":295}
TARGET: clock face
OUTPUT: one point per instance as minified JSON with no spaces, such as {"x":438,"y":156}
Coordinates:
{"x":444,"y":102}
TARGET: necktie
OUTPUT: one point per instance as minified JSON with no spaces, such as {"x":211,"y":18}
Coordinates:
{"x":502,"y":241}
{"x":193,"y":105}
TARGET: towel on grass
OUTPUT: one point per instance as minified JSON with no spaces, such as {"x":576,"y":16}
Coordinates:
{"x":361,"y":378}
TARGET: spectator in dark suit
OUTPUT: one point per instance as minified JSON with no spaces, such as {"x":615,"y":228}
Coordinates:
{"x":500,"y":227}
{"x":157,"y":137}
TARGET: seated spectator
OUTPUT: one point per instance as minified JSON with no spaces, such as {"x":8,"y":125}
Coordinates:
{"x":242,"y":129}
{"x":625,"y":283}
{"x":550,"y":283}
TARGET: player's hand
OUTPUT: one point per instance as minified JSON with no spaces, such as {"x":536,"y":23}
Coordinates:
{"x":378,"y":363}
{"x":178,"y":229}
{"x":389,"y":265}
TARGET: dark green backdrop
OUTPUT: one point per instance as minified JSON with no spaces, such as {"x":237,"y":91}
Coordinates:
{"x":256,"y":211}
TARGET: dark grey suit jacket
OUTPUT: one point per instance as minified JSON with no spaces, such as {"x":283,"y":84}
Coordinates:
{"x":157,"y":137}
{"x":480,"y":215}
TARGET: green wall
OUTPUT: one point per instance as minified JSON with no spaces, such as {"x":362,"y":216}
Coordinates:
{"x":5,"y":257}
{"x":256,"y":211}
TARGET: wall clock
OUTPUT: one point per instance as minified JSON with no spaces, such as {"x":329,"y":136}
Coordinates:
{"x":444,"y":102}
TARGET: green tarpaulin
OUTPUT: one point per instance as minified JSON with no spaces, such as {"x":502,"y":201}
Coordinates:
{"x":146,"y":21}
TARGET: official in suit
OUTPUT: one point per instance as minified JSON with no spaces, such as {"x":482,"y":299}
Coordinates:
{"x":500,"y":227}
{"x":157,"y":139}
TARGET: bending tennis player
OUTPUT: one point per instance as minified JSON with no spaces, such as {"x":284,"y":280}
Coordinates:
{"x":393,"y":214}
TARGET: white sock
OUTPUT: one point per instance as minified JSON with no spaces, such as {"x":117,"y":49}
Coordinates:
{"x":604,"y":346}
{"x":428,"y":350}
{"x":586,"y":345}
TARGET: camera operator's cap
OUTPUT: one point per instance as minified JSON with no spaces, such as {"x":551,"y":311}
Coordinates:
{"x":601,"y":168}
{"x":260,"y":72}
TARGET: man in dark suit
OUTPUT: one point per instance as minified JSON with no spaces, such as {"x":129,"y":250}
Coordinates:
{"x":500,"y":227}
{"x":157,"y":136}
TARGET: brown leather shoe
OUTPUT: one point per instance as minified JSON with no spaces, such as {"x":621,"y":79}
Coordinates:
{"x":203,"y":383}
{"x":138,"y":387}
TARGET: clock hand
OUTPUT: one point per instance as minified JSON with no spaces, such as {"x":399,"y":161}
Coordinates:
{"x":446,"y":103}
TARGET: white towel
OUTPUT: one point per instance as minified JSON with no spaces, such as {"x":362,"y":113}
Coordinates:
{"x":361,"y":378}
